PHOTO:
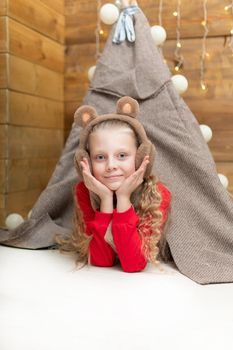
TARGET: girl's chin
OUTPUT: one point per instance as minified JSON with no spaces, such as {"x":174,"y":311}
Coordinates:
{"x":113,"y":186}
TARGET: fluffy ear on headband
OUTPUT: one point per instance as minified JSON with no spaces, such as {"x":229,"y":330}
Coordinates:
{"x":84,"y":115}
{"x":127,"y":106}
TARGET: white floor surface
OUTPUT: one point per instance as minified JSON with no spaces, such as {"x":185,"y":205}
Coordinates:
{"x":46,"y":305}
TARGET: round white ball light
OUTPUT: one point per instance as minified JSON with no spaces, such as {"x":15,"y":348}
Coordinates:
{"x":109,"y":13}
{"x":158,"y":34}
{"x":13,"y":221}
{"x":206,"y":132}
{"x":91,"y":72}
{"x":180,"y":83}
{"x":224,"y":180}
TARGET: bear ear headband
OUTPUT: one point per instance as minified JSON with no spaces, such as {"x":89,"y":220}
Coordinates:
{"x":127,"y":110}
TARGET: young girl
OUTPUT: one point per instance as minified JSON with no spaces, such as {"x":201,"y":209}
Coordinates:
{"x":120,"y":208}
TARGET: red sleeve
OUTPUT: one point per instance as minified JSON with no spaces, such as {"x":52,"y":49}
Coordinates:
{"x":126,"y":237}
{"x":127,"y":240}
{"x":96,"y":223}
{"x":166,"y":200}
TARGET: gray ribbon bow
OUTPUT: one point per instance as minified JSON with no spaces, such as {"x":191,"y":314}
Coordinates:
{"x":124,"y":27}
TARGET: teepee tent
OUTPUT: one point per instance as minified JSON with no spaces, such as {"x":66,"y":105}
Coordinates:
{"x":200,"y":229}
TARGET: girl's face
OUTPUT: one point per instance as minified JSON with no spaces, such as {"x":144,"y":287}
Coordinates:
{"x":112,"y":154}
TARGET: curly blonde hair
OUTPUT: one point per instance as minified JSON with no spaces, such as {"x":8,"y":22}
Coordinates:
{"x":146,"y":200}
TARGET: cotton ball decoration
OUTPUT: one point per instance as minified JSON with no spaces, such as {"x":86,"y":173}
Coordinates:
{"x":13,"y":221}
{"x":91,"y":72}
{"x":180,"y":83}
{"x":224,"y":180}
{"x":158,"y":34}
{"x":206,"y":132}
{"x":109,"y":13}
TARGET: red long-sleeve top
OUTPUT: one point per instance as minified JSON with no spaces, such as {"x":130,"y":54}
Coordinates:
{"x":124,"y":231}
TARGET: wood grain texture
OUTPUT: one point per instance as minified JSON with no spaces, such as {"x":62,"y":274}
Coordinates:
{"x":39,"y":17}
{"x":34,"y":47}
{"x":3,"y":71}
{"x":56,"y":5}
{"x":21,"y":202}
{"x":37,"y":170}
{"x":2,"y":175}
{"x":20,"y":69}
{"x":3,"y":34}
{"x":3,"y":141}
{"x":3,"y":106}
{"x":28,"y":142}
{"x":28,"y":110}
{"x":3,"y":7}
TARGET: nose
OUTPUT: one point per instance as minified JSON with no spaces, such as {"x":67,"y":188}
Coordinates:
{"x":111,"y":164}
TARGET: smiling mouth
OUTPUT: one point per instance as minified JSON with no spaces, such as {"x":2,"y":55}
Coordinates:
{"x":113,"y":177}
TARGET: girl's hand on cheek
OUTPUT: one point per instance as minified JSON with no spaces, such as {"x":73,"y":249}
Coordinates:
{"x":133,"y":181}
{"x":92,"y":183}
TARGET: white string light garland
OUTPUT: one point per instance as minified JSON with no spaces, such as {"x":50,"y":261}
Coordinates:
{"x":179,"y":58}
{"x":204,"y":54}
{"x":158,"y":32}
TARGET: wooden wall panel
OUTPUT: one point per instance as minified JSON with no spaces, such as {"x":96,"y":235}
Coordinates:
{"x":3,"y":70}
{"x":84,"y":13}
{"x":3,"y":34}
{"x":3,"y":106}
{"x":36,"y":15}
{"x":21,"y":202}
{"x":3,"y":141}
{"x":30,"y":45}
{"x":38,"y":172}
{"x":56,"y":5}
{"x":38,"y":84}
{"x":35,"y":111}
{"x":2,"y":175}
{"x":26,"y":142}
{"x":31,"y":100}
{"x":3,"y":7}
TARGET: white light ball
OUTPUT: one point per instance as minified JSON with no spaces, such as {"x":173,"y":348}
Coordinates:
{"x":180,"y":83}
{"x":158,"y":34}
{"x":13,"y":221}
{"x":224,"y":180}
{"x":109,"y":13}
{"x":91,"y":72}
{"x":206,"y":132}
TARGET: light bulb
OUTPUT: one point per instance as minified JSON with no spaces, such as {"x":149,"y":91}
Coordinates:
{"x":101,"y":32}
{"x":206,"y":132}
{"x":158,"y":34}
{"x":13,"y":221}
{"x":178,"y":44}
{"x":109,"y":13}
{"x":180,"y":83}
{"x":175,"y":13}
{"x":91,"y":72}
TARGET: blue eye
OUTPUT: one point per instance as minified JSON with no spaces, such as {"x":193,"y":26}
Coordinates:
{"x":122,"y":155}
{"x":99,"y":157}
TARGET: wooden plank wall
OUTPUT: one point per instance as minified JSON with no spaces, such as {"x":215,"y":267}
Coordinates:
{"x":31,"y":99}
{"x":213,"y":107}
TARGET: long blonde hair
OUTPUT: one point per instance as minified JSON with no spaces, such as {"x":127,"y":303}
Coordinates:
{"x":146,"y":200}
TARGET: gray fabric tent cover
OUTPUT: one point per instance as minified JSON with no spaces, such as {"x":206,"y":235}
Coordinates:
{"x":200,"y":231}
